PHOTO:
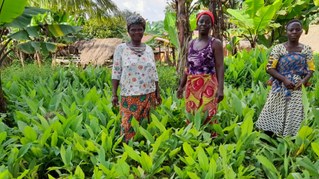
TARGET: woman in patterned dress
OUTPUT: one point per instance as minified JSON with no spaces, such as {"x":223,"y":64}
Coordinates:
{"x":290,"y":66}
{"x":204,"y":75}
{"x":134,"y":70}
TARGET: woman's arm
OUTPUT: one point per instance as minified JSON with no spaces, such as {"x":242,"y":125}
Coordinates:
{"x":158,"y":94}
{"x":115,"y":85}
{"x":182,"y":84}
{"x":274,"y":73}
{"x":219,"y":65}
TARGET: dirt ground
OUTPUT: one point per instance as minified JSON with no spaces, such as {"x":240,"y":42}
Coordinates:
{"x":312,"y":38}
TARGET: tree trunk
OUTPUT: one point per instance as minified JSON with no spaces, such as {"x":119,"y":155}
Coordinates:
{"x":184,"y":34}
{"x":3,"y":101}
{"x":219,"y":27}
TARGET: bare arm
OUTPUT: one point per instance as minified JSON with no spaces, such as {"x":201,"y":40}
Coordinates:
{"x":182,"y":84}
{"x":305,"y":80}
{"x":219,"y":65}
{"x":158,"y":94}
{"x":115,"y":85}
{"x":274,"y":73}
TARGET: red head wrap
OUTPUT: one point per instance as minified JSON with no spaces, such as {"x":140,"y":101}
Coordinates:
{"x":210,"y":14}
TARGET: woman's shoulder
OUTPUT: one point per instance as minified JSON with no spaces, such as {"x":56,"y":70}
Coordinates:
{"x":279,"y":46}
{"x":216,"y":41}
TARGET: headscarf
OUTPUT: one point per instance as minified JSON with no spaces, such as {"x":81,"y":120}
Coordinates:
{"x":135,"y":19}
{"x":210,"y":14}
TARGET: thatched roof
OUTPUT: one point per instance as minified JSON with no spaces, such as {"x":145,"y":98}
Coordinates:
{"x":97,"y":51}
{"x":311,"y":38}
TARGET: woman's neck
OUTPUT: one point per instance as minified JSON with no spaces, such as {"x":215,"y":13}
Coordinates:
{"x":135,"y":44}
{"x":203,"y":37}
{"x":292,"y":43}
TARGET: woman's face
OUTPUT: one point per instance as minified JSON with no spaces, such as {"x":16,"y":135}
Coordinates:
{"x":204,"y":24}
{"x":294,"y":31}
{"x":136,"y":32}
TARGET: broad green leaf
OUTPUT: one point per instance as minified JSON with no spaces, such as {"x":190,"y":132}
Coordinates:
{"x":79,"y":173}
{"x":315,"y":148}
{"x":132,"y":153}
{"x":188,"y":149}
{"x":316,"y":2}
{"x":212,"y":169}
{"x":24,"y":149}
{"x":247,"y":126}
{"x":202,"y":159}
{"x":243,"y":19}
{"x":179,"y":172}
{"x":63,"y":155}
{"x":26,"y":47}
{"x":30,"y":133}
{"x":20,"y":35}
{"x":174,"y":152}
{"x":3,"y":136}
{"x":54,"y":139}
{"x":192,"y":175}
{"x":304,"y":132}
{"x":59,"y":30}
{"x":308,"y":165}
{"x":9,"y":10}
{"x":163,"y":137}
{"x":146,"y":162}
{"x":25,"y":18}
{"x":268,"y":165}
{"x":146,"y":134}
{"x":253,"y":6}
{"x":122,"y":168}
{"x":24,"y":174}
{"x":237,"y":104}
{"x":157,"y":123}
{"x":170,"y":27}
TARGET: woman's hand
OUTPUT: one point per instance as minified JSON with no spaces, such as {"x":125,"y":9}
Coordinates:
{"x":219,"y":96}
{"x":289,"y":84}
{"x":115,"y":101}
{"x":180,"y":93}
{"x":299,"y":84}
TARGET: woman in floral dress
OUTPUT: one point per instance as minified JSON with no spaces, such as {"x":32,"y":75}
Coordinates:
{"x":134,"y":70}
{"x":204,"y":75}
{"x":290,"y":66}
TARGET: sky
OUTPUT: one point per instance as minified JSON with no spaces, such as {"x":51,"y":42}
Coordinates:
{"x":152,"y":10}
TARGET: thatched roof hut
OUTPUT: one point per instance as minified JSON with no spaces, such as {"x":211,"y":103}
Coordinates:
{"x":97,"y":52}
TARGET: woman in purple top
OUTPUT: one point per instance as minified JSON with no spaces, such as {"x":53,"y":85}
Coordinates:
{"x":204,"y":75}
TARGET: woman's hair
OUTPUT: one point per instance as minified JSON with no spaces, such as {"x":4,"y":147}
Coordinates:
{"x":135,"y":19}
{"x":292,"y":21}
{"x":210,"y":14}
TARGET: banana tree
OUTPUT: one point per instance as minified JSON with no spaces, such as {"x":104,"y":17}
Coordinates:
{"x":9,"y":10}
{"x":43,"y":34}
{"x":255,"y":19}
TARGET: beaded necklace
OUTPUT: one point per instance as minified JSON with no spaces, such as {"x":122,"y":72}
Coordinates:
{"x":139,"y":51}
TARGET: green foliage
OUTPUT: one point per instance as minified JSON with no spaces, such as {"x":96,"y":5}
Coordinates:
{"x":9,"y":10}
{"x":63,"y":126}
{"x":170,"y":27}
{"x":112,"y":27}
{"x":263,"y":22}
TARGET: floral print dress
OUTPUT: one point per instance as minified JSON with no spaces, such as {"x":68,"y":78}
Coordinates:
{"x":137,"y":75}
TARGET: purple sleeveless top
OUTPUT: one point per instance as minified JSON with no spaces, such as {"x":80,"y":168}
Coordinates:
{"x":201,"y":61}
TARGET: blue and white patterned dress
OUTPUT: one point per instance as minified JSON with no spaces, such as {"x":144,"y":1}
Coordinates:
{"x":283,"y":111}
